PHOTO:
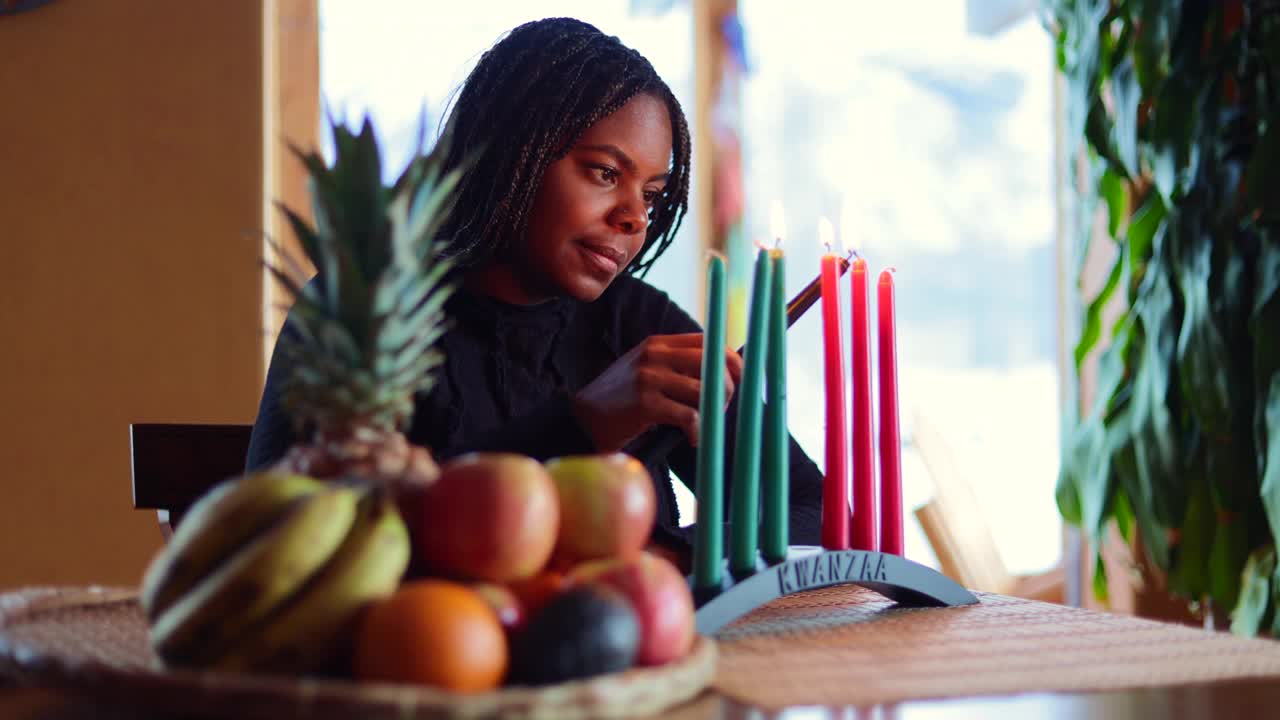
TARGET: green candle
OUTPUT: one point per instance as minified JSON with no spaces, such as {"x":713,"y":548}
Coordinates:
{"x":708,"y":543}
{"x":776,"y":438}
{"x":745,"y":516}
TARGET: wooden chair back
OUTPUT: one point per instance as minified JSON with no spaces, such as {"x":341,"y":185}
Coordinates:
{"x":962,"y":540}
{"x":173,"y":464}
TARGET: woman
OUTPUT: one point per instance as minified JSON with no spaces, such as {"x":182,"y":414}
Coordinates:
{"x":579,"y":181}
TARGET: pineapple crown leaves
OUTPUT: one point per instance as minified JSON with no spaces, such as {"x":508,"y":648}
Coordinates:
{"x":363,"y":334}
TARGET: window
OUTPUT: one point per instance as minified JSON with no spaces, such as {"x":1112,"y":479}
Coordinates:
{"x":402,"y":61}
{"x":932,"y":149}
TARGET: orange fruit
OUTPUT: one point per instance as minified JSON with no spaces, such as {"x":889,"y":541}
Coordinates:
{"x":432,"y":632}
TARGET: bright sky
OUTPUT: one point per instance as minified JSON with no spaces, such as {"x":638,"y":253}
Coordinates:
{"x":893,"y":127}
{"x":395,"y":56}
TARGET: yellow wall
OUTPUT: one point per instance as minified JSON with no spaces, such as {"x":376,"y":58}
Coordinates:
{"x":131,"y":156}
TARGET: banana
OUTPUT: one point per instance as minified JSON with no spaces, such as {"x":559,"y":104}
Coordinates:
{"x":312,"y":629}
{"x":223,"y":519}
{"x":257,"y":578}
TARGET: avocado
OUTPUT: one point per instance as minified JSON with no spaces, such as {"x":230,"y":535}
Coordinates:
{"x":588,"y":630}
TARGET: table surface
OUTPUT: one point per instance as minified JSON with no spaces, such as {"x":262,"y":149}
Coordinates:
{"x":1223,"y":699}
{"x":1220,"y":701}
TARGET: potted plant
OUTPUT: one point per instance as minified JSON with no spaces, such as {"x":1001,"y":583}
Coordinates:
{"x":1173,"y":108}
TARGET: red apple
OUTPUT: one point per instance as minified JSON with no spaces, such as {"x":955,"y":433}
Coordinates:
{"x":659,"y":595}
{"x":607,"y":506}
{"x":489,"y":517}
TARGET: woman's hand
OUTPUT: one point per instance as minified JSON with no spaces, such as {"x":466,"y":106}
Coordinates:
{"x":656,"y":383}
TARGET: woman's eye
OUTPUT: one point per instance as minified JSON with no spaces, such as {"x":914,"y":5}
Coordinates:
{"x":607,"y":174}
{"x":651,"y":196}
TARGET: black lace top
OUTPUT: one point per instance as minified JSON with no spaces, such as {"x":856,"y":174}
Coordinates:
{"x":508,"y":377}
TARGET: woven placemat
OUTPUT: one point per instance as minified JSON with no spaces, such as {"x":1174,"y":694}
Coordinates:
{"x":94,"y":641}
{"x":849,"y":646}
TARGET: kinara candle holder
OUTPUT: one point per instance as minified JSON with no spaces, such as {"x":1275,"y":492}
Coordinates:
{"x":809,"y":567}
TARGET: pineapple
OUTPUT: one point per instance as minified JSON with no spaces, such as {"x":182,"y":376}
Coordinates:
{"x":365,"y":331}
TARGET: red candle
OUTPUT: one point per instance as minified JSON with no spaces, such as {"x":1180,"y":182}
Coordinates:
{"x":890,"y":442}
{"x":835,"y":490}
{"x":865,"y":507}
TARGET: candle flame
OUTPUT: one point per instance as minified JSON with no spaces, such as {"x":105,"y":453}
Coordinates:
{"x":846,"y":225}
{"x":777,"y":222}
{"x":826,"y":232}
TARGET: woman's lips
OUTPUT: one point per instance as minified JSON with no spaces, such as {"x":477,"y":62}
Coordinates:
{"x":602,"y":257}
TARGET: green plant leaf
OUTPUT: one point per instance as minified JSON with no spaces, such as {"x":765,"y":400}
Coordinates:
{"x":1269,"y":46}
{"x":1151,"y":42}
{"x":1275,"y":601}
{"x":306,"y":236}
{"x":1091,"y":330}
{"x":1271,"y":472}
{"x":1227,"y":557}
{"x":1115,"y":191}
{"x":1126,"y":94}
{"x":1123,"y":513}
{"x":1082,"y":237}
{"x":1188,"y":37}
{"x":1262,"y":177}
{"x":1189,"y":571}
{"x":1067,"y":491}
{"x":1146,"y":222}
{"x":1161,"y":485}
{"x":1114,"y":382}
{"x":1154,"y":534}
{"x":1175,"y":156}
{"x":1232,"y":468}
{"x":1096,"y":481}
{"x":1255,"y":593}
{"x":1264,"y":326}
{"x":1079,"y":24}
{"x":1118,"y":360}
{"x":1097,"y":130}
{"x":1099,"y":577}
{"x":1203,"y":362}
{"x":1143,"y":228}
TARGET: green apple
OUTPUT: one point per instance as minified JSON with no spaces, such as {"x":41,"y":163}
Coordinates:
{"x":607,"y":506}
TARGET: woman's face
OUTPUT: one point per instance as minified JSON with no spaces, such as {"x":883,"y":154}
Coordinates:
{"x":592,"y":210}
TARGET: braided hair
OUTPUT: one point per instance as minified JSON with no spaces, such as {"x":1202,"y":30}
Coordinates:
{"x":528,"y":100}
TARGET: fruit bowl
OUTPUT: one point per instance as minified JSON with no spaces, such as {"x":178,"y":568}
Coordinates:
{"x":93,"y":640}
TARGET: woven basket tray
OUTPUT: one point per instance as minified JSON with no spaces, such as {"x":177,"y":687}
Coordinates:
{"x":94,"y":641}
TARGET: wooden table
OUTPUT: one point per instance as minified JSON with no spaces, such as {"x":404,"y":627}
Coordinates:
{"x":1234,"y":698}
{"x":1220,"y":701}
